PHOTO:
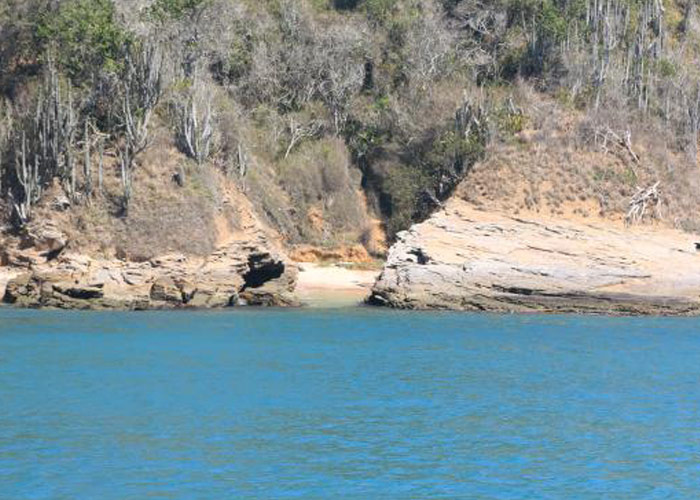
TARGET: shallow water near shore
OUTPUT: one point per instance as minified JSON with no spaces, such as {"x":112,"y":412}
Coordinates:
{"x":347,"y":403}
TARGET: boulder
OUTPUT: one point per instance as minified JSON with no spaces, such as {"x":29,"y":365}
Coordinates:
{"x":44,"y":238}
{"x":164,"y":289}
{"x":208,"y":297}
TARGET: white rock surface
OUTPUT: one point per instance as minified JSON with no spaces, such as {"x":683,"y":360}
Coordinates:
{"x":466,"y":259}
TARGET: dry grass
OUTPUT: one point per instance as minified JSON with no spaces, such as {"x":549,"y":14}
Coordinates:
{"x":313,"y":196}
{"x":163,"y":217}
{"x":554,"y":167}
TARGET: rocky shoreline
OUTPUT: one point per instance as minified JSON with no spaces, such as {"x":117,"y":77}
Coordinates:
{"x":463,"y":258}
{"x":245,"y":272}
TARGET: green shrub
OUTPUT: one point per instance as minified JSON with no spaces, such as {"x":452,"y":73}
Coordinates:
{"x":85,"y":36}
{"x":511,"y":121}
{"x":163,"y":10}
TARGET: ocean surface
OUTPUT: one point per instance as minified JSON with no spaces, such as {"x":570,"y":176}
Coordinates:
{"x":347,"y":404}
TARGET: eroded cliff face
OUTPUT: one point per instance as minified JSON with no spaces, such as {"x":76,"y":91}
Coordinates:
{"x":242,"y":273}
{"x":464,"y":258}
{"x":247,"y":272}
{"x":45,"y":266}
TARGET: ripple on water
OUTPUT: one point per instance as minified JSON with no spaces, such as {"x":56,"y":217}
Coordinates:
{"x":347,"y":403}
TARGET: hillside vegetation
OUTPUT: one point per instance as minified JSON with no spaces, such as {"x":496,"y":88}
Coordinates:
{"x":131,"y":122}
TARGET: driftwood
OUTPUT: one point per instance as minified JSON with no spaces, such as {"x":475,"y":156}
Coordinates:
{"x":641,"y":202}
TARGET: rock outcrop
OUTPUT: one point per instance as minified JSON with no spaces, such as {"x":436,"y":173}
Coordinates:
{"x":466,"y":259}
{"x":249,"y":271}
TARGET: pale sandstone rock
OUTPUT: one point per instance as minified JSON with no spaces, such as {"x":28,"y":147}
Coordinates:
{"x":253,"y":268}
{"x":165,"y":290}
{"x":465,"y":259}
{"x":7,"y":274}
{"x":44,"y":237}
{"x":212,"y":297}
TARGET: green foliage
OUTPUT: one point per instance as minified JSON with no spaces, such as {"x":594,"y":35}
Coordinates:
{"x":429,"y":171}
{"x":551,"y":21}
{"x":509,"y":121}
{"x":666,"y":68}
{"x":550,"y":17}
{"x":381,"y":103}
{"x":239,"y":57}
{"x":163,"y":10}
{"x":364,"y":139}
{"x":404,"y":187}
{"x":85,"y":36}
{"x":407,"y":174}
{"x":379,"y":10}
{"x":545,"y":24}
{"x":451,"y":151}
{"x":305,"y":59}
{"x":510,"y":61}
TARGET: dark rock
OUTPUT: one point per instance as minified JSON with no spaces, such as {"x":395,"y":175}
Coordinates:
{"x":82,"y":292}
{"x":165,"y":290}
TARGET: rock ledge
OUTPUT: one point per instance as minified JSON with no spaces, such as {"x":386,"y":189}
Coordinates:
{"x":249,"y":272}
{"x":466,"y":259}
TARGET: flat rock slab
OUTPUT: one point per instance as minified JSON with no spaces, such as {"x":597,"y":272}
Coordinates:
{"x":463,"y":258}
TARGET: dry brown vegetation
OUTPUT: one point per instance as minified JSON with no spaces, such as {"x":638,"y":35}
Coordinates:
{"x":333,"y":115}
{"x":561,"y":164}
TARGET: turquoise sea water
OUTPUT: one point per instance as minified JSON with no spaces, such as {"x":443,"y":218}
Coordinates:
{"x":347,"y":404}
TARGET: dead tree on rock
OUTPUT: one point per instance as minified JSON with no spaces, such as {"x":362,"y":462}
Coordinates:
{"x":641,"y":202}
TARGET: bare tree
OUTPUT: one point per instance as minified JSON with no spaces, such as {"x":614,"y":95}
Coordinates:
{"x":28,"y":178}
{"x":6,"y":127}
{"x":693,"y":121}
{"x":87,"y":166}
{"x":641,"y":202}
{"x":141,"y":91}
{"x":42,"y":144}
{"x":194,"y":121}
{"x":100,"y":165}
{"x":52,"y":132}
{"x":301,"y":131}
{"x":339,"y":65}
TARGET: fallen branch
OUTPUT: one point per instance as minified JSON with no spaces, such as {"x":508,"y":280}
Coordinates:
{"x":641,"y":201}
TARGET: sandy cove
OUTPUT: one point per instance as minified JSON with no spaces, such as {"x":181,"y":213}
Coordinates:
{"x":333,"y":285}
